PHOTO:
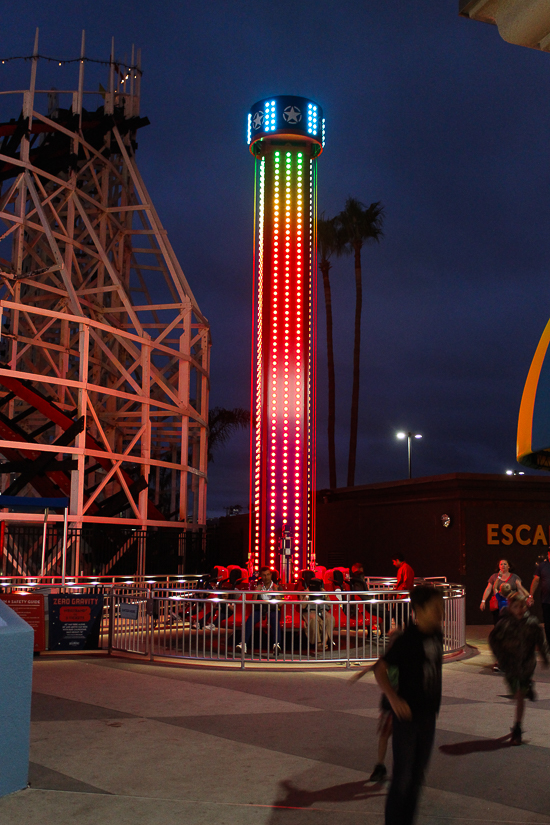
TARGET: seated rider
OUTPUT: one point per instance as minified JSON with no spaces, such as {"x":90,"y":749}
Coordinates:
{"x":267,"y":590}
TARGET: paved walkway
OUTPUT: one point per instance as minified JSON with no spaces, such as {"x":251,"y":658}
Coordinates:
{"x":116,"y":741}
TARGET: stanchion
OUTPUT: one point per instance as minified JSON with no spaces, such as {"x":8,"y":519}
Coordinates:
{"x":2,"y":534}
{"x":243,"y":604}
{"x":44,"y":537}
{"x":64,"y":557}
{"x":348,"y":663}
{"x":111,"y":623}
{"x":149,"y":642}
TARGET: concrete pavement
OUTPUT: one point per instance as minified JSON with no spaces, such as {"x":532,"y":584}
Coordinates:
{"x":118,"y":741}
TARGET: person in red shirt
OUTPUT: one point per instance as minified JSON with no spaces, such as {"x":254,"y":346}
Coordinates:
{"x":405,"y":574}
{"x":404,"y":581}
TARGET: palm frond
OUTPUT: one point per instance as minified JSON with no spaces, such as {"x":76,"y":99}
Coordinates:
{"x":358,"y":224}
{"x":222,"y":423}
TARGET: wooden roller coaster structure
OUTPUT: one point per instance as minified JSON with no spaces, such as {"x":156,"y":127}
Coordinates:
{"x":104,"y":352}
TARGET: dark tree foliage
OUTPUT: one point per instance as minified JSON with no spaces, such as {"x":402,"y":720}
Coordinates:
{"x":222,"y":424}
{"x":327,"y":245}
{"x":356,"y":226}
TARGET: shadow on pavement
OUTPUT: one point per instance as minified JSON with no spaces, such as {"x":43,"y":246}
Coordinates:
{"x":463,"y":748}
{"x":291,"y":796}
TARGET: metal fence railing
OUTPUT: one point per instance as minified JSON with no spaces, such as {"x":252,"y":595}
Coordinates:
{"x":10,"y":584}
{"x":166,"y":616}
{"x":123,"y":588}
{"x":238,"y":627}
{"x":30,"y":549}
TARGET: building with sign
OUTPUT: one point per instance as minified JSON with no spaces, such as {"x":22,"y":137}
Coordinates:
{"x":457,"y":525}
{"x":286,"y":135}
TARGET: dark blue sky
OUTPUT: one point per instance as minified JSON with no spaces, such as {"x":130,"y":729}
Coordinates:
{"x":432,"y":114}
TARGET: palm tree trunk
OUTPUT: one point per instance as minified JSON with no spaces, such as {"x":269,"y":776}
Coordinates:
{"x":331,"y":379}
{"x":356,"y":370}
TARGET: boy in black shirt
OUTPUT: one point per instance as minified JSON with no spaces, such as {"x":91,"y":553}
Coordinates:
{"x":417,"y":654}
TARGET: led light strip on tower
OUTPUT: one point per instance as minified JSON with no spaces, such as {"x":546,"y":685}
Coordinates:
{"x":299,"y":445}
{"x":272,"y":486}
{"x":312,"y":119}
{"x":308,"y":445}
{"x":286,"y":339}
{"x":269,"y":116}
{"x":259,"y":363}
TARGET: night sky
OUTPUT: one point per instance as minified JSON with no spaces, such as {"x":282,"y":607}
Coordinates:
{"x":434,"y":115}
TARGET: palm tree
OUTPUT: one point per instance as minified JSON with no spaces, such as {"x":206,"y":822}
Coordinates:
{"x":356,"y":226}
{"x":222,"y":424}
{"x":327,"y":246}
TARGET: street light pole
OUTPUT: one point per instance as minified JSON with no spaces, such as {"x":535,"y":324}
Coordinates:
{"x":409,"y":436}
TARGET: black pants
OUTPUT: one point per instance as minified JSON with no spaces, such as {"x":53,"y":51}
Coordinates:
{"x":546,"y":620}
{"x":412,"y":746}
{"x":256,"y":615}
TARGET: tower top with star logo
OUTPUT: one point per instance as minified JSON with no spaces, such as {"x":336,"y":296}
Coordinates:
{"x":283,"y":118}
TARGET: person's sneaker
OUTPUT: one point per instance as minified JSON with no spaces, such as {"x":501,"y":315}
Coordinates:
{"x":239,"y":648}
{"x":277,"y":648}
{"x":497,"y":669}
{"x":516,"y":734}
{"x":378,"y":774}
{"x":211,"y":626}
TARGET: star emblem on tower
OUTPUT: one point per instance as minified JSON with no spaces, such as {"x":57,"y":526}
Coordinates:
{"x":257,"y":120}
{"x":292,"y":114}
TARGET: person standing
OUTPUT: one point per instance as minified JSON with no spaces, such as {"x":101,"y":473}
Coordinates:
{"x":404,"y":582}
{"x":405,"y":574}
{"x":417,"y":654}
{"x":504,"y":575}
{"x":542,"y":575}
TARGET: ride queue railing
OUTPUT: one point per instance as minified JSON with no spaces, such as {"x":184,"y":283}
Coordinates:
{"x":134,"y":588}
{"x":166,"y":616}
{"x":238,"y":627}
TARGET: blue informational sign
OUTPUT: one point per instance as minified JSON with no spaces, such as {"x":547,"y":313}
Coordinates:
{"x":74,"y":622}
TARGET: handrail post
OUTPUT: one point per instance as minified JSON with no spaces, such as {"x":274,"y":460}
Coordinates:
{"x":111,"y":622}
{"x":44,"y":537}
{"x":150,"y":623}
{"x":348,"y":663}
{"x":242,"y":627}
{"x":64,"y":556}
{"x":2,"y":556}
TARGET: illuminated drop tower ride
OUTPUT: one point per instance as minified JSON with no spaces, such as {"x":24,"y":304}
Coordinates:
{"x":286,"y":135}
